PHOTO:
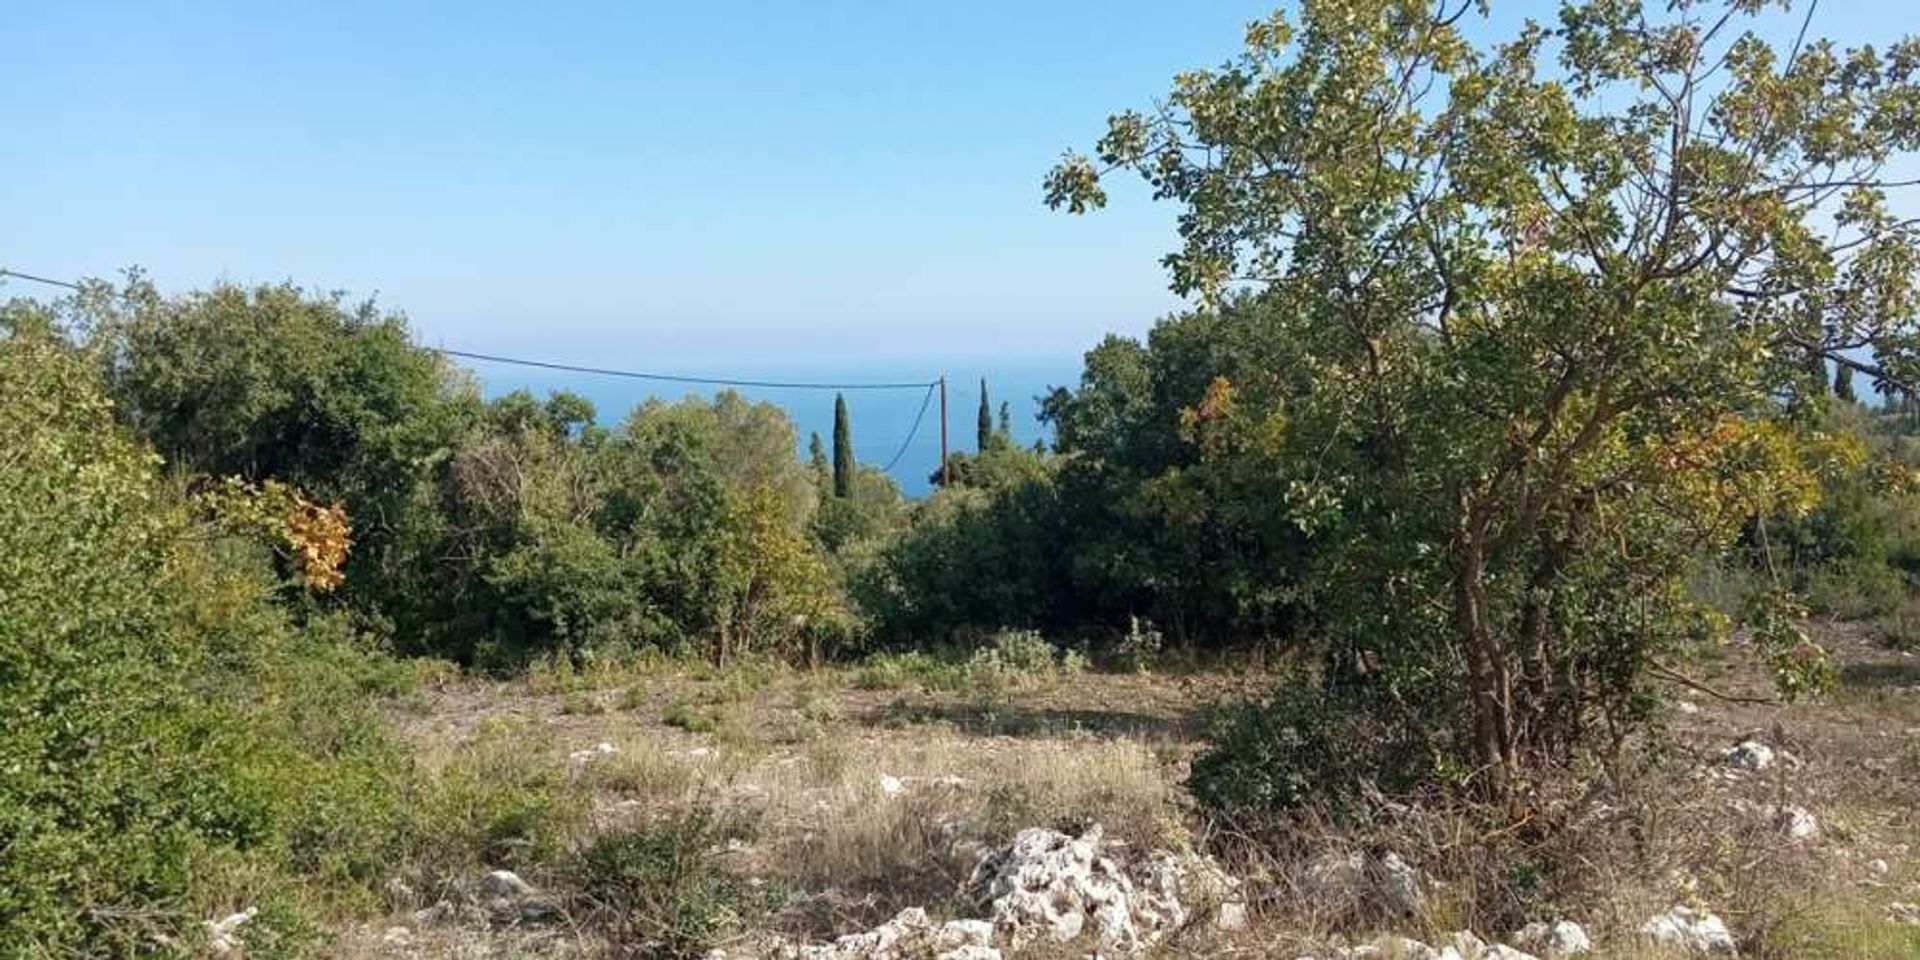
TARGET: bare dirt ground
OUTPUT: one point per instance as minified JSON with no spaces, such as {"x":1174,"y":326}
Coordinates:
{"x":854,"y":782}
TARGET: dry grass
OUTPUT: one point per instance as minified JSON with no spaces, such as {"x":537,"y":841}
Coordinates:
{"x":803,"y":756}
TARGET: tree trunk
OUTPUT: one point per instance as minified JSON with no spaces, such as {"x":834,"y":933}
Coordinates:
{"x":1489,"y":679}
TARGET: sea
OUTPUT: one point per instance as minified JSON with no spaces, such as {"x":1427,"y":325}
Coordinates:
{"x":883,"y":422}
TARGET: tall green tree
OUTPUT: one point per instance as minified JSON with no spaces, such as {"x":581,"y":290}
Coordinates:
{"x":1542,"y":299}
{"x":983,"y":427}
{"x":818,"y":463}
{"x":844,"y":465}
{"x":1843,"y":383}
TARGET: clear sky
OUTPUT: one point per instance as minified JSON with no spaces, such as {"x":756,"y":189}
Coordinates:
{"x":697,"y":186}
{"x":822,"y":189}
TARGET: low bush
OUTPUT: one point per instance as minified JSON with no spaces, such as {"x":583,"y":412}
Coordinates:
{"x":1900,"y":627}
{"x":660,"y":888}
{"x":1304,"y":744}
{"x":168,"y":731}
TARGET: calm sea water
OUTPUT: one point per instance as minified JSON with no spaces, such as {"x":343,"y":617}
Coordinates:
{"x":880,"y":419}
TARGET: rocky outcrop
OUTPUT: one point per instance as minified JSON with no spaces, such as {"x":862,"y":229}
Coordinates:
{"x":910,"y":935}
{"x":1051,"y":886}
{"x":1351,"y":881}
{"x":1796,"y":823}
{"x":1130,"y":907}
{"x":1697,"y":932}
{"x":223,"y":935}
{"x":1457,"y":946}
{"x":1748,"y":755}
{"x":1554,"y":941}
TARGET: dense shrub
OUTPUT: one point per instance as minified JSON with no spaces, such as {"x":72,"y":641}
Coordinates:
{"x":972,"y":561}
{"x":1303,"y":745}
{"x":661,"y":888}
{"x":165,"y":729}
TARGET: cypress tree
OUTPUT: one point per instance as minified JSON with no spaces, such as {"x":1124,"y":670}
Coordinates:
{"x":1006,"y":420}
{"x":983,"y":431}
{"x":817,"y":461}
{"x":843,"y":463}
{"x":1843,"y":383}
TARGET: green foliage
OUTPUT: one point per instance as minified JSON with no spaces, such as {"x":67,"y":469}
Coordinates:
{"x":1141,"y":646}
{"x":844,"y":464}
{"x":496,"y":804}
{"x":690,"y":717}
{"x":1900,"y":628}
{"x":984,"y":437}
{"x":870,"y":517}
{"x":894,"y":671}
{"x":661,"y":888}
{"x":277,"y":383}
{"x":1519,"y":360}
{"x":167,"y":727}
{"x":1304,"y":745}
{"x":972,"y":560}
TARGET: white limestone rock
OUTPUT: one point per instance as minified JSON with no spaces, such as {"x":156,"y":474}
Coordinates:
{"x":1048,"y":885}
{"x":580,"y":758}
{"x":1698,"y":932}
{"x":910,"y":935}
{"x":1748,"y":755}
{"x":504,"y":895}
{"x":1555,"y":941}
{"x":223,"y":935}
{"x":1343,"y":882}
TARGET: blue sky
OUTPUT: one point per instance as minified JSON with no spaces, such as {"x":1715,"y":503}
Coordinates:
{"x":828,"y":189}
{"x":705,"y":186}
{"x":710,"y":186}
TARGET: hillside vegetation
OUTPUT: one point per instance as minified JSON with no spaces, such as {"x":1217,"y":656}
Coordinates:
{"x":1523,"y":523}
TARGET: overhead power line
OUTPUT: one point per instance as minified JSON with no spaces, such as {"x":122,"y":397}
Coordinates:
{"x":912,"y":432}
{"x":605,"y":371}
{"x":29,"y":276}
{"x":679,"y":378}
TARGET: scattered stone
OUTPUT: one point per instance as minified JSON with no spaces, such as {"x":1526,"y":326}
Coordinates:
{"x":1905,"y":913}
{"x":1687,"y":707}
{"x":1748,"y":755}
{"x":504,"y":895}
{"x":1050,"y":885}
{"x":1556,"y":940}
{"x":1175,"y":888}
{"x":397,"y":937}
{"x":910,"y":935}
{"x":1797,"y":823}
{"x":223,"y":934}
{"x":893,"y":786}
{"x":1462,"y":945}
{"x":1696,"y":932}
{"x":1878,"y":868}
{"x":1501,"y":951}
{"x":580,"y":758}
{"x":1345,"y":882}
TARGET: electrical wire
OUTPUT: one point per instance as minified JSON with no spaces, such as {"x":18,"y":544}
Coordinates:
{"x":679,"y":378}
{"x":925,"y":400}
{"x":912,"y":431}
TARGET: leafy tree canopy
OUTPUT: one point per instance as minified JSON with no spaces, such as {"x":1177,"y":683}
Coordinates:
{"x":1534,"y":306}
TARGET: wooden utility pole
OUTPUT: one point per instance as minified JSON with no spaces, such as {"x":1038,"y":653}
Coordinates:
{"x":946,"y":474}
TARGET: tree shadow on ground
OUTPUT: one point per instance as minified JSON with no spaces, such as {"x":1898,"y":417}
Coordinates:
{"x":1032,"y":721}
{"x":1880,"y":675}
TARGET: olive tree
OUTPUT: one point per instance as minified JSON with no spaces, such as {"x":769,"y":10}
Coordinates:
{"x":1547,"y":310}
